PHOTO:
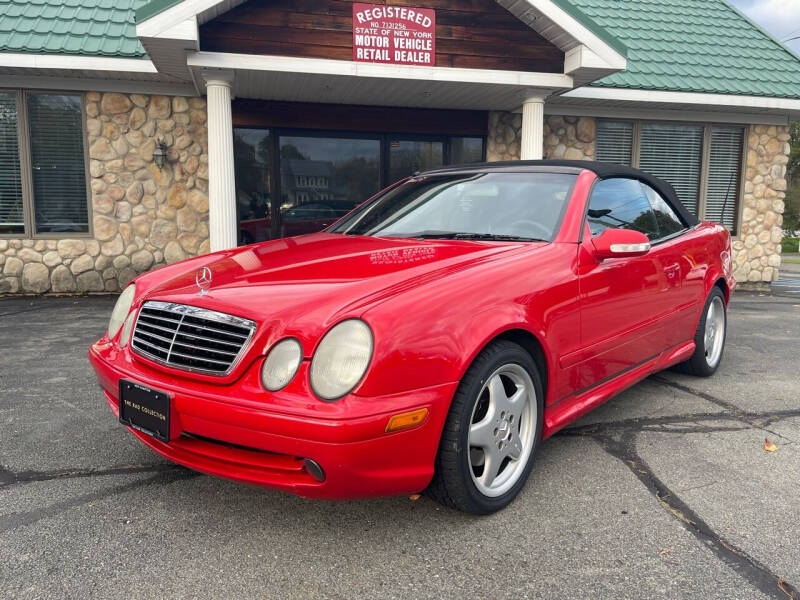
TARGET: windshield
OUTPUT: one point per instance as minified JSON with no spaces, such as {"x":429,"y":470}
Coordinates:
{"x":511,"y":206}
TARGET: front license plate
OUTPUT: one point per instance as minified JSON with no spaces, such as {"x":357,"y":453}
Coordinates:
{"x":144,"y":409}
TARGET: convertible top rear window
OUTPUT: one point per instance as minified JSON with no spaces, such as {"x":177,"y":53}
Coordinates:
{"x":524,"y":206}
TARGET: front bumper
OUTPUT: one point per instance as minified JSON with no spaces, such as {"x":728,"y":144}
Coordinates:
{"x":241,"y":432}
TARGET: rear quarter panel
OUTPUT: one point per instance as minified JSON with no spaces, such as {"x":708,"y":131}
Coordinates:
{"x":706,"y":259}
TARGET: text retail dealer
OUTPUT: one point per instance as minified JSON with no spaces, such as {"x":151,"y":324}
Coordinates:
{"x":393,"y":12}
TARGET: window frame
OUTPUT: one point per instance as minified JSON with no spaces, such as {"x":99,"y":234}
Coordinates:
{"x":705,"y":160}
{"x":26,"y":169}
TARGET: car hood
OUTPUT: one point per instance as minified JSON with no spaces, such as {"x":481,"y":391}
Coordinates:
{"x":307,"y":283}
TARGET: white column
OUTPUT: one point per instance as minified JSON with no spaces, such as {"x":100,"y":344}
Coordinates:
{"x":532,"y":136}
{"x":222,"y":224}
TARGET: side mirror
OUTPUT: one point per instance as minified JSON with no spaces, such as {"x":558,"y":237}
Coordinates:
{"x":620,"y":243}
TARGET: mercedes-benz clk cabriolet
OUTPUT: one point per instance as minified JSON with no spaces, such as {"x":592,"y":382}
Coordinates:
{"x":429,"y":340}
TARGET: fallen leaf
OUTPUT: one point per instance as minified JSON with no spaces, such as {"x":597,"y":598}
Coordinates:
{"x":769,"y":445}
{"x":414,"y":497}
{"x":666,"y":551}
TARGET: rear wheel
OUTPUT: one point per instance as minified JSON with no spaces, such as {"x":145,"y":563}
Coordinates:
{"x":709,"y":338}
{"x":492,"y":432}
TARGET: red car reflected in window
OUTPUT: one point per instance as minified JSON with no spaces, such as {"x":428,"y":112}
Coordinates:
{"x":298,"y":220}
{"x":429,"y":340}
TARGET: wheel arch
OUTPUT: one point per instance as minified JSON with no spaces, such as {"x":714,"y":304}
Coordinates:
{"x":530,"y":342}
{"x":722,"y":285}
{"x":532,"y":346}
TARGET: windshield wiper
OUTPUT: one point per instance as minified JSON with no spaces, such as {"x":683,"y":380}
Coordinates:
{"x":496,"y":236}
{"x":462,"y":235}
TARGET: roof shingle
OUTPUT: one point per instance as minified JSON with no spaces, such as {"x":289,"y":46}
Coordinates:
{"x":82,"y":27}
{"x":692,"y":46}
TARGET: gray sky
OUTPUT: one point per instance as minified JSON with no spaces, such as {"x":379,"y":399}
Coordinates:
{"x":781,"y":18}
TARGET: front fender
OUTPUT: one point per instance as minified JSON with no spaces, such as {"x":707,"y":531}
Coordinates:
{"x":412,"y":357}
{"x":431,"y":334}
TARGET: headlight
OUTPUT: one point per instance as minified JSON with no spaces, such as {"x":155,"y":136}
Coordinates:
{"x":281,"y":364}
{"x":125,"y":337}
{"x":341,"y":359}
{"x":121,"y":310}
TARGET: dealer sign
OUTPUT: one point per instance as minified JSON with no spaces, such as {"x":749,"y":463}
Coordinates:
{"x":398,"y":35}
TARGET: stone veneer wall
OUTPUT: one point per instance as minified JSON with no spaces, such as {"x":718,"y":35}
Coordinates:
{"x":142,"y":216}
{"x":757,"y":251}
{"x":571,"y":138}
{"x":503,"y":137}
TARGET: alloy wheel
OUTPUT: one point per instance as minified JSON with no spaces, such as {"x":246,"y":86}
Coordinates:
{"x":714,"y":334}
{"x":502,"y":430}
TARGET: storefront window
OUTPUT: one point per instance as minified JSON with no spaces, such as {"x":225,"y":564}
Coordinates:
{"x":323,"y":178}
{"x":673,"y":152}
{"x":465,"y":150}
{"x":251,"y":149}
{"x":680,"y":153}
{"x":406,"y":157}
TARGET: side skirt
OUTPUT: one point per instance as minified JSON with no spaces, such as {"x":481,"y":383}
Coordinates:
{"x":570,"y":408}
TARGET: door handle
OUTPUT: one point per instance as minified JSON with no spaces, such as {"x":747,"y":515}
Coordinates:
{"x":672,"y":270}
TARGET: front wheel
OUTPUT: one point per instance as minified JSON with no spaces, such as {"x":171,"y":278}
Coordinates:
{"x":492,"y":432}
{"x":709,"y":338}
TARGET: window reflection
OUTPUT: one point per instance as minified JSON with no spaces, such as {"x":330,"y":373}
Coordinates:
{"x":322,"y":178}
{"x":406,"y":157}
{"x":527,"y":205}
{"x":620,"y":204}
{"x":666,"y":218}
{"x":251,"y":149}
{"x":465,"y":150}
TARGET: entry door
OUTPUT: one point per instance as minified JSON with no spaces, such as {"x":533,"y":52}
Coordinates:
{"x":323,"y":177}
{"x":623,"y":300}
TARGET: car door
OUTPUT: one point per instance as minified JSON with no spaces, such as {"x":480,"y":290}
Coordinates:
{"x":623,"y":301}
{"x":684,"y":273}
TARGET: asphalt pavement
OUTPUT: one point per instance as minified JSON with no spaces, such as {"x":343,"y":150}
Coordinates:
{"x":664,"y":492}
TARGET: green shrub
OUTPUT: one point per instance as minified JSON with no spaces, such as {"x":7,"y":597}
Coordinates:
{"x":790,"y":245}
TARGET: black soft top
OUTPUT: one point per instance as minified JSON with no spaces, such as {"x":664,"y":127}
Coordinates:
{"x":601,"y":169}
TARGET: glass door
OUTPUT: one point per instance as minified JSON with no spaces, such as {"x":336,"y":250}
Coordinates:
{"x":323,"y":178}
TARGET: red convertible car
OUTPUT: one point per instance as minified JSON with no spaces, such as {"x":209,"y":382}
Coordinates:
{"x":428,"y":340}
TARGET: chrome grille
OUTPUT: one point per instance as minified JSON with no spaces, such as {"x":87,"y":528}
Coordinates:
{"x":191,"y":338}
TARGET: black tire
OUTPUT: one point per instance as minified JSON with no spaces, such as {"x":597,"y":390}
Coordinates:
{"x":452,"y":483}
{"x":698,"y":364}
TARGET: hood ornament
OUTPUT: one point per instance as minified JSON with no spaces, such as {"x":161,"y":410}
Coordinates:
{"x":203,"y":280}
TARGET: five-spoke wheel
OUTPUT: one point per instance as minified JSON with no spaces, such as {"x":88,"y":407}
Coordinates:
{"x":502,"y":430}
{"x":492,"y":432}
{"x":709,"y":339}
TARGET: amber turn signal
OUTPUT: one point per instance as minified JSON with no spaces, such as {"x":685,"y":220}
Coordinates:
{"x":406,"y":420}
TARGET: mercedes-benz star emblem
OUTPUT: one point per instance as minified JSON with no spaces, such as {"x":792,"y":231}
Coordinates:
{"x":203,"y":280}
